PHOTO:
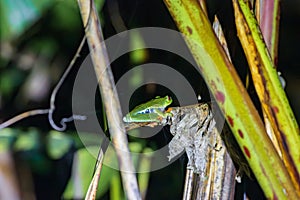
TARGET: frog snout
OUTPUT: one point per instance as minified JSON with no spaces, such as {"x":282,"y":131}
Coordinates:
{"x":125,"y":119}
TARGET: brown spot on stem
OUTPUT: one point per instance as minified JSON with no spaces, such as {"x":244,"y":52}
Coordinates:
{"x":230,"y":121}
{"x":240,"y":133}
{"x":247,"y":152}
{"x":276,"y":61}
{"x":189,"y":30}
{"x":275,"y":109}
{"x":263,"y":169}
{"x":274,"y":196}
{"x":220,"y":97}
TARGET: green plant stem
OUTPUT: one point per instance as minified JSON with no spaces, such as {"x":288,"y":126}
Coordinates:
{"x":232,"y":99}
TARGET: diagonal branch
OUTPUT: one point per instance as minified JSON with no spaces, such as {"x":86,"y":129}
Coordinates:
{"x":109,"y":96}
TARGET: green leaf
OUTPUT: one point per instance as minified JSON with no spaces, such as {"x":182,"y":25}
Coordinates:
{"x":16,"y":16}
{"x":137,"y":42}
{"x":27,"y":141}
{"x":7,"y":137}
{"x":145,"y":168}
{"x":58,"y":144}
{"x":82,"y":172}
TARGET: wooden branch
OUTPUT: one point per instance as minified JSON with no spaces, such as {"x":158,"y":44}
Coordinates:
{"x":195,"y":132}
{"x":109,"y":96}
{"x":210,"y":172}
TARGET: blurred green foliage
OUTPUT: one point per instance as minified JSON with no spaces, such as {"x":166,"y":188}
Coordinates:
{"x":16,"y":16}
{"x":57,"y":144}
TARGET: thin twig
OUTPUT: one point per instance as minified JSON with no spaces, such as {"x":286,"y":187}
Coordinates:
{"x":52,"y":101}
{"x":92,"y":191}
{"x":22,"y":116}
{"x":134,"y":125}
{"x":55,"y":90}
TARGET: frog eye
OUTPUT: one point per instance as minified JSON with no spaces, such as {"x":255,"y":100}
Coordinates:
{"x":169,"y":98}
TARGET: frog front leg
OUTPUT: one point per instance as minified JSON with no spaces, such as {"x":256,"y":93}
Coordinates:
{"x":162,"y":114}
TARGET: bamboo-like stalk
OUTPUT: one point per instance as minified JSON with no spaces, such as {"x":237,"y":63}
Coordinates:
{"x":233,"y":99}
{"x":268,"y":15}
{"x":270,"y":92}
{"x":109,"y":95}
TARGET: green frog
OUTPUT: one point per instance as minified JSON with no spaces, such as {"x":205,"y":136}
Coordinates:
{"x":151,"y":111}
